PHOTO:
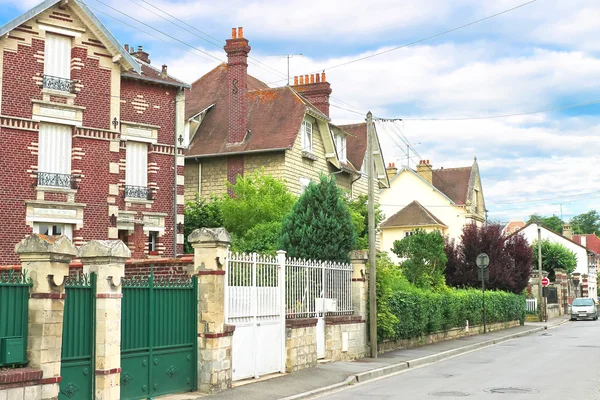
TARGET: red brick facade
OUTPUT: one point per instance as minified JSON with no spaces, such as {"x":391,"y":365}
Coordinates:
{"x":237,"y":50}
{"x":104,"y":116}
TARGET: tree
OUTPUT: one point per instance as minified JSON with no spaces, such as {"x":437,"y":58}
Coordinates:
{"x":510,"y":259}
{"x":553,"y":223}
{"x":319,"y":226}
{"x":253,"y":214}
{"x":554,"y":255}
{"x":588,"y":222}
{"x":425,"y":260}
{"x":360,"y":220}
{"x":201,"y":213}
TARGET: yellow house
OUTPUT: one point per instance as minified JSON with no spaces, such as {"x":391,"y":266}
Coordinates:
{"x":443,"y":199}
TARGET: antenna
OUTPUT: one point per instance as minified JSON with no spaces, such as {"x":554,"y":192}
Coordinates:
{"x":288,"y":56}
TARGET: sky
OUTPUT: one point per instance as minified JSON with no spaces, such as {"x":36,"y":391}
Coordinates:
{"x":439,"y":93}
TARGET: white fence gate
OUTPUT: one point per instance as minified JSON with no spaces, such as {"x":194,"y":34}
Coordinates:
{"x":531,"y":305}
{"x":315,"y":289}
{"x":254,"y":303}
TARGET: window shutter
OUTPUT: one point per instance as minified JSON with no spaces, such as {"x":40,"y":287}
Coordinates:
{"x":57,"y":56}
{"x":306,"y":136}
{"x":136,"y":173}
{"x":54,"y":149}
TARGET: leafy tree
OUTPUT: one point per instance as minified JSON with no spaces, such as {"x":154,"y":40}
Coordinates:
{"x":554,"y":255}
{"x":425,"y":260}
{"x":320,"y":225}
{"x":360,"y":220}
{"x":201,"y":213}
{"x":588,"y":222}
{"x":553,"y":223}
{"x":510,"y":259}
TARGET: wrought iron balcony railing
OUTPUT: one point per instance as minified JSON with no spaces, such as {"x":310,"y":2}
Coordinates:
{"x":138,"y":192}
{"x":56,"y":83}
{"x":56,"y":180}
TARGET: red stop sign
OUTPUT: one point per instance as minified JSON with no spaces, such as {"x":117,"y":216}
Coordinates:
{"x":545,"y":281}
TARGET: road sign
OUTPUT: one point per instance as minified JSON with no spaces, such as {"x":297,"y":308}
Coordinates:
{"x":545,"y":281}
{"x":483,"y":260}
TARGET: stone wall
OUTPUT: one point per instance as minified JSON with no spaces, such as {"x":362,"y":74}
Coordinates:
{"x":345,"y":338}
{"x":443,"y":336}
{"x":300,"y":344}
{"x":554,"y":310}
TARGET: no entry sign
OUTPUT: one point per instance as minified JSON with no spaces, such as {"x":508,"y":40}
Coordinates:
{"x":545,"y":281}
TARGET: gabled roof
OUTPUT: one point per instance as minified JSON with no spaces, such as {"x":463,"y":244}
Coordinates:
{"x":80,"y":8}
{"x":546,"y":229}
{"x":356,"y":147}
{"x":150,"y":74}
{"x":592,"y":242}
{"x":453,"y":182}
{"x":513,"y":226}
{"x":404,"y":168}
{"x":413,"y":215}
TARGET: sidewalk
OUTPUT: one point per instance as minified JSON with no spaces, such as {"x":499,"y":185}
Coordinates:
{"x":326,"y":377}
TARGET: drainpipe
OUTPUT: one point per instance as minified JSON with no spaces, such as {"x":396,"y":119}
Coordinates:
{"x":179,"y":130}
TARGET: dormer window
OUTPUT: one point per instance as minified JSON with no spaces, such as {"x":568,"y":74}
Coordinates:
{"x":57,"y":63}
{"x":307,"y":137}
{"x":340,"y":146}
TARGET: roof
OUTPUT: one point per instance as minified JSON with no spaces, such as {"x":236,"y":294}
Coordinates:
{"x":413,"y":214}
{"x":513,"y":226}
{"x":212,"y":87}
{"x":356,"y":147}
{"x":453,"y":182}
{"x":150,"y":74}
{"x":108,"y":39}
{"x":549,"y":230}
{"x":592,"y":242}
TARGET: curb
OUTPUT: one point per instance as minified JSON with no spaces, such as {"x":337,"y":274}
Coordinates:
{"x":394,"y":368}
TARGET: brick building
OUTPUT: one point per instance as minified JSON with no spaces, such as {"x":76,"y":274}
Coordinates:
{"x":237,"y":124}
{"x":89,"y":132}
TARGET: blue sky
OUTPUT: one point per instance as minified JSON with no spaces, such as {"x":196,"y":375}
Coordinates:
{"x":542,"y":56}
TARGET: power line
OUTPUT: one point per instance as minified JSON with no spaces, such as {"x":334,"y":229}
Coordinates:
{"x":426,"y":38}
{"x":550,"y":198}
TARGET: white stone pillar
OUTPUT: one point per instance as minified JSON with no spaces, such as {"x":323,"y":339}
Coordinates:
{"x":360,"y":286}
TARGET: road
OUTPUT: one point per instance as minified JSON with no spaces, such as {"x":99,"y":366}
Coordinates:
{"x":561,"y":363}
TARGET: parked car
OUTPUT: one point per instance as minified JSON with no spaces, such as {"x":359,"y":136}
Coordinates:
{"x":584,"y":307}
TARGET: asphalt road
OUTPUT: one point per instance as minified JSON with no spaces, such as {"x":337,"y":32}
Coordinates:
{"x":561,"y":363}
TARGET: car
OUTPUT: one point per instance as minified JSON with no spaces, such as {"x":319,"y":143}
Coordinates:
{"x":583,"y":307}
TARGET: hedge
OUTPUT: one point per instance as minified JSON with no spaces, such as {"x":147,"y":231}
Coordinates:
{"x":420,"y":312}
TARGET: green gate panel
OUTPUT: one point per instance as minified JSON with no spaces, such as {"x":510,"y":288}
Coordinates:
{"x":173,"y":371}
{"x":78,"y":339}
{"x":135,"y":376}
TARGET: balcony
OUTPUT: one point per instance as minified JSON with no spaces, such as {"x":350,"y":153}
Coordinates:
{"x":138,"y":192}
{"x":51,"y":179}
{"x":60,"y":84}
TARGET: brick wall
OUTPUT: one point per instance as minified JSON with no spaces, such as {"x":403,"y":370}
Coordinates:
{"x":95,"y":93}
{"x":176,"y":267}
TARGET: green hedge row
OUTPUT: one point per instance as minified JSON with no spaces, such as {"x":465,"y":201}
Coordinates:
{"x":420,"y":312}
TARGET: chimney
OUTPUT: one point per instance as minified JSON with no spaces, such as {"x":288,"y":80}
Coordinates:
{"x":568,"y":231}
{"x":140,"y":54}
{"x":425,"y":171}
{"x":391,"y":170}
{"x":163,"y":73}
{"x":315,"y":89}
{"x":126,"y":48}
{"x":237,"y":50}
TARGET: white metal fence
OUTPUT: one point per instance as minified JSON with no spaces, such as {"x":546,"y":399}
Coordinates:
{"x":531,"y":305}
{"x":316,"y":288}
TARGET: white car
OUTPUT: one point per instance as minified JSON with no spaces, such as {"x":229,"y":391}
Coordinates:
{"x":584,"y":307}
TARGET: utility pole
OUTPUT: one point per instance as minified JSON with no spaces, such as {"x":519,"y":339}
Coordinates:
{"x":288,"y":56}
{"x":542,"y":311}
{"x":371,"y":223}
{"x":408,"y":155}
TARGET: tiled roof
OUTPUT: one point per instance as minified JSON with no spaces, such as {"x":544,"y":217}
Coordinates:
{"x":592,"y":242}
{"x":453,"y":182}
{"x":356,"y":146}
{"x":151,"y":74}
{"x":513,"y":226}
{"x":413,"y":214}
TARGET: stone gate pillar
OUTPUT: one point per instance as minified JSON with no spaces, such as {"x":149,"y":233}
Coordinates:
{"x":359,"y":259}
{"x":106,"y":258}
{"x":46,"y":258}
{"x":214,"y":336}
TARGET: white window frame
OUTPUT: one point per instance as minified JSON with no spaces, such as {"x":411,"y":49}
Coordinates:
{"x":307,"y":136}
{"x":153,"y":240}
{"x":65,"y":229}
{"x":57,"y":55}
{"x":55,"y":144}
{"x":304,"y":182}
{"x":408,"y":233}
{"x":340,"y":145}
{"x":136,"y":165}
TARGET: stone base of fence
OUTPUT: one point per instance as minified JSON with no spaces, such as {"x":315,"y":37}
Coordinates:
{"x":214,"y":360}
{"x":300,"y":344}
{"x":554,"y":311}
{"x":442,"y":336}
{"x":27,"y":384}
{"x":345,"y":338}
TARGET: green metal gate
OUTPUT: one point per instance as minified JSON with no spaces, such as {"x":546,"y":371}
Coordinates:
{"x":158,"y":336}
{"x":78,"y":339}
{"x":14,"y":311}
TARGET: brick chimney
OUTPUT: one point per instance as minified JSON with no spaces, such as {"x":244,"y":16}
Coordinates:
{"x":391,"y":170}
{"x":237,"y":50}
{"x":568,"y":231}
{"x":425,"y":170}
{"x":140,"y":54}
{"x":163,"y":72}
{"x":315,"y":89}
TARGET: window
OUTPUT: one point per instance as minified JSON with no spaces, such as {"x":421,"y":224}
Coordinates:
{"x":408,"y":233}
{"x":152,"y":242}
{"x":50,"y":229}
{"x":54,"y":155}
{"x":57,"y":62}
{"x":304,"y":182}
{"x":136,"y":170}
{"x":340,"y":146}
{"x":307,"y":139}
{"x":476,"y":201}
{"x":124,"y":236}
